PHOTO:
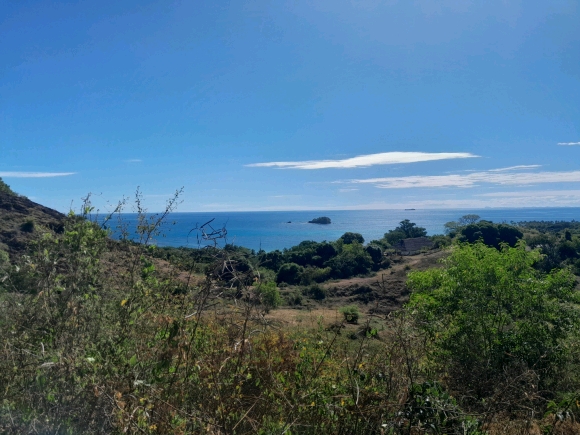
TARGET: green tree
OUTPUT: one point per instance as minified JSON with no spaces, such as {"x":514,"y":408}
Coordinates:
{"x":352,"y":260}
{"x":272,"y":260}
{"x":489,"y":312}
{"x":349,"y":238}
{"x":468,"y":219}
{"x":491,"y":234}
{"x":411,"y":229}
{"x":290,"y":273}
{"x":405,"y":230}
{"x":451,"y":228}
{"x":375,"y":252}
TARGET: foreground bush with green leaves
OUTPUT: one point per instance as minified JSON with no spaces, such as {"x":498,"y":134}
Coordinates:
{"x":95,"y":339}
{"x":503,"y":334}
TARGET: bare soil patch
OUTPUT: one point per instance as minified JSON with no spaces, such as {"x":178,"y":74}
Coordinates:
{"x":384,"y":292}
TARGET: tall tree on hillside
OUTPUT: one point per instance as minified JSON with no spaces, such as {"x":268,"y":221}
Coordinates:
{"x":411,"y":229}
{"x":468,"y":219}
{"x":405,"y":230}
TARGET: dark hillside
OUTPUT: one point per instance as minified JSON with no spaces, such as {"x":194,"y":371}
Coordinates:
{"x":20,"y":219}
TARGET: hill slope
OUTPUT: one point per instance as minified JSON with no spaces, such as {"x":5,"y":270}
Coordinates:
{"x":20,"y":219}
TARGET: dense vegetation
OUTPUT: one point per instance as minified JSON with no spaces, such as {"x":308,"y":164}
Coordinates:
{"x":108,"y":337}
{"x":5,"y":188}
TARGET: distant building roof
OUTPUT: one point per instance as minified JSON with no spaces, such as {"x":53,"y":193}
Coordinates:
{"x":415,"y":244}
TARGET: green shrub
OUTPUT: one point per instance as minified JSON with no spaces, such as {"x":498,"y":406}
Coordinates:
{"x":348,"y":238}
{"x":429,"y":405}
{"x":351,"y":313}
{"x":315,"y":274}
{"x":27,"y":226}
{"x":489,"y":312}
{"x":290,"y":273}
{"x":315,"y":292}
{"x":375,"y":252}
{"x":294,"y":298}
{"x":405,"y":230}
{"x":440,"y":241}
{"x":491,"y":234}
{"x":269,"y":295}
{"x":4,"y":258}
{"x":353,"y":260}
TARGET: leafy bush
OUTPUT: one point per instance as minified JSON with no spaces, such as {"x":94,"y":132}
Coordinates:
{"x":441,"y":241}
{"x":315,"y":274}
{"x":489,"y":312}
{"x":315,"y":292}
{"x":290,"y":273}
{"x":491,"y":234}
{"x":567,"y":250}
{"x":375,"y":252}
{"x":295,"y":298}
{"x":394,"y":236}
{"x":349,"y":238}
{"x":27,"y":226}
{"x":405,"y":230}
{"x":430,"y":406}
{"x":272,"y":260}
{"x":353,"y":260}
{"x":351,"y":313}
{"x":269,"y":295}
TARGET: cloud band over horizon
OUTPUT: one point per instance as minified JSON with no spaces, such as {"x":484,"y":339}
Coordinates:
{"x":388,"y":158}
{"x":492,"y":176}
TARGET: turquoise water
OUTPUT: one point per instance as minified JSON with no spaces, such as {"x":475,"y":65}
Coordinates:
{"x":271,"y":230}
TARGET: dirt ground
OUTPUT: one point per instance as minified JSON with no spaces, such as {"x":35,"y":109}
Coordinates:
{"x":380,"y":294}
{"x":387,"y":290}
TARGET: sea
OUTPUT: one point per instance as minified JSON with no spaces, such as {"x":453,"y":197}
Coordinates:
{"x":273,"y":230}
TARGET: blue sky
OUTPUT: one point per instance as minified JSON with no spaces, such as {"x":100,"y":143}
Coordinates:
{"x":281,"y":105}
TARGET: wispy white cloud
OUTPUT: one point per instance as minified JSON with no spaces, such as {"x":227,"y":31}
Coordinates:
{"x":347,"y":190}
{"x":568,"y":143}
{"x":389,"y":158}
{"x":473,"y":179}
{"x":515,"y":168}
{"x":134,"y":161}
{"x":35,"y":174}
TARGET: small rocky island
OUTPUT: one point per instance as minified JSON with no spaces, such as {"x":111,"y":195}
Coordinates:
{"x":323,"y":220}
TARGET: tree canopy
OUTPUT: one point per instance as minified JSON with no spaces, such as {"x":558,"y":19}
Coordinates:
{"x":491,"y":234}
{"x":349,"y":238}
{"x":405,"y":230}
{"x":489,"y":312}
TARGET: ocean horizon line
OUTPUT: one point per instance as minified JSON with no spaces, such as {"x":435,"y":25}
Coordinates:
{"x":363,"y":209}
